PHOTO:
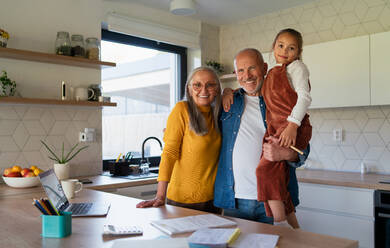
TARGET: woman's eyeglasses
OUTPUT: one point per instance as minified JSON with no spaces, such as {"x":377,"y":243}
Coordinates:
{"x":209,"y":86}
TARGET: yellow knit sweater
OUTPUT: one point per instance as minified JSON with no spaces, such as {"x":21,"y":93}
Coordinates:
{"x":189,"y":161}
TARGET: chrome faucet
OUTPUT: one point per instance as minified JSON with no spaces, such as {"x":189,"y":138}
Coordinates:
{"x":143,"y":160}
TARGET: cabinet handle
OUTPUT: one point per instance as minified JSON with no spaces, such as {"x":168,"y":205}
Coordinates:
{"x":152,"y":192}
{"x":384,"y":215}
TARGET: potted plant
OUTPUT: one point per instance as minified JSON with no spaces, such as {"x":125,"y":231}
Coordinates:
{"x":61,"y":167}
{"x":215,"y":65}
{"x":7,"y":86}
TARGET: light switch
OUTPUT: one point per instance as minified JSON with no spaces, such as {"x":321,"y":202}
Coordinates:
{"x":338,"y":135}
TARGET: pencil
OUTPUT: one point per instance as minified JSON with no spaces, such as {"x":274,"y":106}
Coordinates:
{"x":296,"y":149}
{"x":52,"y":206}
{"x":36,"y":204}
{"x":49,"y":206}
{"x":234,"y":236}
{"x":117,"y":160}
{"x":44,"y":206}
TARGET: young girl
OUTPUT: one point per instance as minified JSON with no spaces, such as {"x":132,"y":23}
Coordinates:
{"x":286,"y":92}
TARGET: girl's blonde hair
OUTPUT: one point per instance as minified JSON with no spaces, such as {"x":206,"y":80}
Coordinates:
{"x":197,"y":121}
{"x":297,"y":35}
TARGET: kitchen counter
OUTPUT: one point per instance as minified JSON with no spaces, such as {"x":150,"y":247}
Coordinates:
{"x":22,"y":224}
{"x":346,"y":179}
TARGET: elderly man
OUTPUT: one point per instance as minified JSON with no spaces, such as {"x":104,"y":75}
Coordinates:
{"x":243,"y":127}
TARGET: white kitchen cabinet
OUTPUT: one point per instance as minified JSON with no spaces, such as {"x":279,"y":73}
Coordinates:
{"x":343,"y":212}
{"x":144,"y":192}
{"x":380,"y":74}
{"x":339,"y":72}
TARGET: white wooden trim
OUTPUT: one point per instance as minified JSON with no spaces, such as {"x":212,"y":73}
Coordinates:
{"x":154,"y":31}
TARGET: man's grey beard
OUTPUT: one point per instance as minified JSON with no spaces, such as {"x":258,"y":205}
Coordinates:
{"x":258,"y":88}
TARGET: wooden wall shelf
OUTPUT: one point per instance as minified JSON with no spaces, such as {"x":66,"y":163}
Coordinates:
{"x":20,"y":100}
{"x":12,"y":53}
{"x":228,"y":77}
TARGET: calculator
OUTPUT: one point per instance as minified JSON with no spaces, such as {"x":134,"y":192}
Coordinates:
{"x":122,"y":230}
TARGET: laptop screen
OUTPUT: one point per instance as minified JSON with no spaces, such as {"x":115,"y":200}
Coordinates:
{"x":53,"y":189}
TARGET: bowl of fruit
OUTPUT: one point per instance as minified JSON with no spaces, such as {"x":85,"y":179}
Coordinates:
{"x":18,"y":177}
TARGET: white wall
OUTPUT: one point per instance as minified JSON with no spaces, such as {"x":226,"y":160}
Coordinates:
{"x":366,"y":129}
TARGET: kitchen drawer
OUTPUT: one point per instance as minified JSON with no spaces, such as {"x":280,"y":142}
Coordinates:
{"x":144,"y":192}
{"x":349,"y":227}
{"x":348,"y":200}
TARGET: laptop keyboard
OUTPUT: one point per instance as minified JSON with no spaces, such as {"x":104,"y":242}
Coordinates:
{"x":80,"y":208}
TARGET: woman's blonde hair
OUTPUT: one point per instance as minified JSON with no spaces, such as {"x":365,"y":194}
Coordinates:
{"x":197,"y":121}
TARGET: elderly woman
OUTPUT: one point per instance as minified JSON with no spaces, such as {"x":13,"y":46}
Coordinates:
{"x":192,"y":142}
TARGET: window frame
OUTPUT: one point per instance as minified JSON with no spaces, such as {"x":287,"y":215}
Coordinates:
{"x":160,"y":46}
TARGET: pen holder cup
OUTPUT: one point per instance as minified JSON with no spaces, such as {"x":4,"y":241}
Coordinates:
{"x":119,"y":168}
{"x":57,"y":226}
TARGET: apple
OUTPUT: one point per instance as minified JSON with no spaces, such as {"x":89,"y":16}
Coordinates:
{"x":29,"y":174}
{"x":7,"y":171}
{"x":33,"y":167}
{"x":25,"y":171}
{"x":16,"y":168}
{"x":14,"y":174}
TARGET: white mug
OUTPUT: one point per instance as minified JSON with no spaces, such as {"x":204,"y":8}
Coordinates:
{"x":81,"y":94}
{"x":71,"y":187}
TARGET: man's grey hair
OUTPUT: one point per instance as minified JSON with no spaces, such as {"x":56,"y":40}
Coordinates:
{"x":197,"y":121}
{"x":254,"y":50}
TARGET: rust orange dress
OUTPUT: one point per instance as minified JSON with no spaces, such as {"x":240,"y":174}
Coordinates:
{"x":280,"y":98}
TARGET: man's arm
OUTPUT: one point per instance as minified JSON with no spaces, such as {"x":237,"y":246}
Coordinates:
{"x":272,"y":151}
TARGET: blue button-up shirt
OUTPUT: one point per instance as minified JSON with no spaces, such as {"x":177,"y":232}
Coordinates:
{"x":230,"y":124}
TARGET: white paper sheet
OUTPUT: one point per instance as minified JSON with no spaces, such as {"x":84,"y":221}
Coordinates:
{"x":255,"y":240}
{"x":191,"y":223}
{"x":152,"y":243}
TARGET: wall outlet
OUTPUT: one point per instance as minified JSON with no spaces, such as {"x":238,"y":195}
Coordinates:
{"x":338,"y":135}
{"x":82,"y":137}
{"x":88,"y":135}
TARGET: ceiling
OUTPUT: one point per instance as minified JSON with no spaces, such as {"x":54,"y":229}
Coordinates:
{"x":224,"y":12}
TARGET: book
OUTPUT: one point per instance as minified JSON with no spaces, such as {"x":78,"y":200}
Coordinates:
{"x":191,"y":223}
{"x":214,"y":238}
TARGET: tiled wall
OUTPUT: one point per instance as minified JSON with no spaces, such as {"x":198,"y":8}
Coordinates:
{"x":23,"y":126}
{"x":366,"y":129}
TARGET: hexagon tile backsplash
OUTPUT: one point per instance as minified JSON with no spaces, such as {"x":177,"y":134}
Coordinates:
{"x":22,"y":127}
{"x":366,"y":138}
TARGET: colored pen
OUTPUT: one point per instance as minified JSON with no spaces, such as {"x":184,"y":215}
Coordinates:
{"x":36,"y":203}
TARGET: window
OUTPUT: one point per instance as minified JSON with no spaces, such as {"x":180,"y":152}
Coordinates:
{"x":146,"y":83}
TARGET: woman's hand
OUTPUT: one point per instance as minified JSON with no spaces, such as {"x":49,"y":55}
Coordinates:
{"x":289,"y":135}
{"x":156,"y":202}
{"x":227,"y":99}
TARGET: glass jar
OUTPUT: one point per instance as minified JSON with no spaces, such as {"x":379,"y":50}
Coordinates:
{"x":63,"y":44}
{"x":77,"y":42}
{"x":93,"y":48}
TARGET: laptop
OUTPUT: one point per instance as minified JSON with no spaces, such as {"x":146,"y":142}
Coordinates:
{"x":56,"y":195}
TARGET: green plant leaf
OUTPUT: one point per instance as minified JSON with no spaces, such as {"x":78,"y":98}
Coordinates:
{"x":82,"y":148}
{"x":52,"y":153}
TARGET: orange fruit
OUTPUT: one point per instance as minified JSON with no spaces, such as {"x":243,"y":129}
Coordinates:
{"x":16,"y":168}
{"x":37,"y":171}
{"x":33,"y":167}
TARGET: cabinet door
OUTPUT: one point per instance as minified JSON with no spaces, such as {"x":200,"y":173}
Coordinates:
{"x":339,"y":72}
{"x":358,"y":228}
{"x":144,"y":192}
{"x":380,"y":74}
